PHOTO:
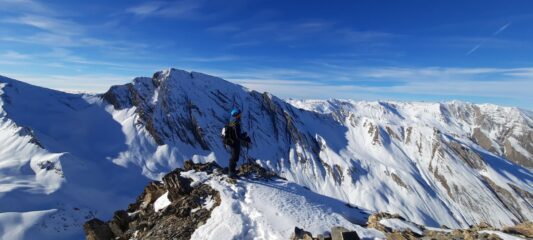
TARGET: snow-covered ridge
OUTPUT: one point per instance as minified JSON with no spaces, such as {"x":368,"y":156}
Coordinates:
{"x":505,"y":131}
{"x":434,"y":164}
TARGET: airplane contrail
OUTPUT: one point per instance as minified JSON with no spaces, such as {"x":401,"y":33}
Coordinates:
{"x":502,"y":28}
{"x":494,"y":34}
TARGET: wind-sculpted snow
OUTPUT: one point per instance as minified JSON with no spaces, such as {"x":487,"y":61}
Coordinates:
{"x":433,"y":163}
{"x":55,"y":161}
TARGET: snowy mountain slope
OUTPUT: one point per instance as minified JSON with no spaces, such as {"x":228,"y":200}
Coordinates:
{"x":431,"y":146}
{"x":198,"y":202}
{"x":413,"y":160}
{"x":53,"y":163}
{"x":422,"y":165}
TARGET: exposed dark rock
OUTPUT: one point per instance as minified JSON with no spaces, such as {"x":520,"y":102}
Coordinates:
{"x":340,"y":233}
{"x":176,"y":184}
{"x":374,"y":132}
{"x":399,"y":181}
{"x":392,"y":133}
{"x":338,"y":174}
{"x":151,"y":192}
{"x":26,"y":131}
{"x":443,"y":182}
{"x":300,"y":234}
{"x":176,"y":221}
{"x":527,"y":196}
{"x":209,"y":167}
{"x":524,"y":229}
{"x":337,"y":233}
{"x":95,"y":229}
{"x":373,"y":220}
{"x":482,"y":226}
{"x":119,"y":223}
{"x":482,"y":140}
{"x":408,"y":132}
{"x":506,"y":198}
{"x":254,"y":170}
{"x":516,"y":156}
{"x":436,"y":148}
{"x":467,"y":234}
{"x":402,"y":235}
{"x":470,"y":157}
{"x":502,"y":144}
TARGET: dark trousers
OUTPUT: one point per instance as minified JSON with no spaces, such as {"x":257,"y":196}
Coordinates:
{"x":235,"y":152}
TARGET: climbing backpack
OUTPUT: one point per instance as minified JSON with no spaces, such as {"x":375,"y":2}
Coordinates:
{"x":228,"y":135}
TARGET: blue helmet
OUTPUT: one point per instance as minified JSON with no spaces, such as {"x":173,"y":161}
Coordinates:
{"x":235,"y":111}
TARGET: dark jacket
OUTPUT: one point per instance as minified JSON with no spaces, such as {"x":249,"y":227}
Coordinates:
{"x":236,"y":124}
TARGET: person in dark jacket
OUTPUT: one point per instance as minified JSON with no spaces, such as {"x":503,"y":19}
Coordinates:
{"x":239,"y":138}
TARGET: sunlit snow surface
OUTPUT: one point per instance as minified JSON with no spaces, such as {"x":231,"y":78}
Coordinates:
{"x":257,"y":209}
{"x":96,"y":159}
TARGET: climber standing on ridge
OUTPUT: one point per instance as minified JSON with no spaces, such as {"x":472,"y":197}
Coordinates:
{"x":233,"y":137}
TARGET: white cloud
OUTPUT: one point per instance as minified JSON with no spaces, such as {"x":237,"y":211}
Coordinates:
{"x":50,"y":24}
{"x":146,"y":9}
{"x":175,"y":9}
{"x":23,"y":5}
{"x":438,"y":83}
{"x":91,"y":83}
{"x":222,"y":58}
{"x":12,"y":55}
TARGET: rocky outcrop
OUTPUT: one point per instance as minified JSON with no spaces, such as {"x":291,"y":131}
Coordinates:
{"x":185,"y":213}
{"x":147,"y":198}
{"x":95,"y":229}
{"x":178,"y":220}
{"x":209,"y":167}
{"x":510,"y":138}
{"x":337,"y":233}
{"x":254,"y":170}
{"x":176,"y":185}
{"x":340,"y":233}
{"x":300,"y":234}
{"x":373,"y":220}
{"x":523,"y":229}
{"x":506,"y":198}
{"x":469,"y":156}
{"x":513,"y":154}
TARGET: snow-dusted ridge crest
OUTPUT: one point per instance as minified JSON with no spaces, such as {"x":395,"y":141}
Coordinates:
{"x":453,"y":164}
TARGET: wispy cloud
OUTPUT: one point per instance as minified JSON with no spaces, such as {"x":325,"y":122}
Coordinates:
{"x":25,"y":6}
{"x":494,"y":34}
{"x":255,"y":31}
{"x":188,"y":9}
{"x":437,"y":83}
{"x":49,"y":24}
{"x":44,"y":26}
{"x":89,"y":83}
{"x":12,"y":55}
{"x":222,"y":58}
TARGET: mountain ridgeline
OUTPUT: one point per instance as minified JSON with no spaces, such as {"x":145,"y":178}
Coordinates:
{"x":454,"y":164}
{"x":435,"y":163}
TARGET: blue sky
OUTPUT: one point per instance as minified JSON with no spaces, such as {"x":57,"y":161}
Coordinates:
{"x":476,"y":51}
